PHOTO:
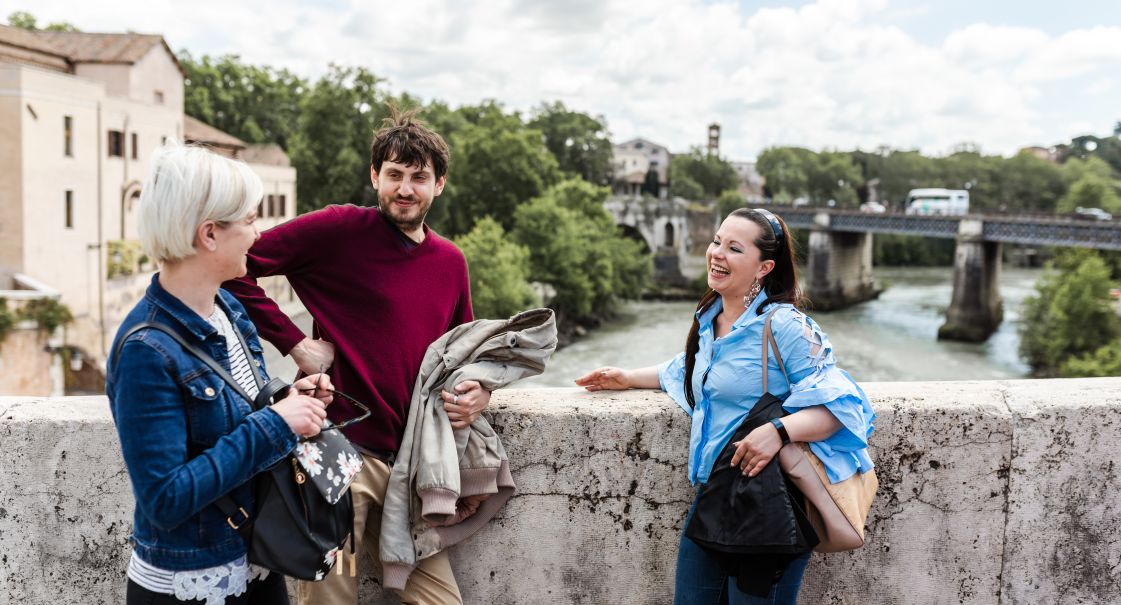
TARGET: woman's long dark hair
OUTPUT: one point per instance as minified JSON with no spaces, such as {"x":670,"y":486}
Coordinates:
{"x":781,"y":283}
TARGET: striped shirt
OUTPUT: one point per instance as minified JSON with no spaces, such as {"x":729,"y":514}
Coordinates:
{"x":212,"y":584}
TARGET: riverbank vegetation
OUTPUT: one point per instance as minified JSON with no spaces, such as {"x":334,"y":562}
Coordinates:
{"x":1071,"y":326}
{"x":1085,"y":172}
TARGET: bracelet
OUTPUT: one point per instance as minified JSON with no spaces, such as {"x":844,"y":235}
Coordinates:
{"x":781,"y":431}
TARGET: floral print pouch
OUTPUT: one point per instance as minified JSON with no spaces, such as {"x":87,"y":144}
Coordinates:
{"x":330,"y":461}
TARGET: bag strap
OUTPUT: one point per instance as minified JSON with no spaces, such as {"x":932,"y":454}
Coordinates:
{"x":236,"y":515}
{"x":768,"y":343}
{"x":265,"y":392}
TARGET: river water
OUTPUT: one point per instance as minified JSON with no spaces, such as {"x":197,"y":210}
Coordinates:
{"x":892,"y":338}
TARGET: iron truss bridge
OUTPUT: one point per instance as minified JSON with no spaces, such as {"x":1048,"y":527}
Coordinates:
{"x":1029,"y":230}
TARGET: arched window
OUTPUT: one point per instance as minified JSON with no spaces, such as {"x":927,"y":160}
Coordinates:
{"x":669,"y":235}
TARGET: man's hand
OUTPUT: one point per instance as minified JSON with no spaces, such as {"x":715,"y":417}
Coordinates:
{"x":313,"y":356}
{"x":465,"y":405}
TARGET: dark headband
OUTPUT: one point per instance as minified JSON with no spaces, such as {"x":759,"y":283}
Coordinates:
{"x":773,"y":220}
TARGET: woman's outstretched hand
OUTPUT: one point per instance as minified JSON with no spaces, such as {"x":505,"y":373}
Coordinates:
{"x":606,"y":379}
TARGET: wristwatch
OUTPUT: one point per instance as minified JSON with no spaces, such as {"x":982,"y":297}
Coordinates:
{"x":781,"y":431}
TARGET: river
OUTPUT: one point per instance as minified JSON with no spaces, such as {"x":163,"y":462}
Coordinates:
{"x":892,"y":338}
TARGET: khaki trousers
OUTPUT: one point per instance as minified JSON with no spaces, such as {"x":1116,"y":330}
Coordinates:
{"x":431,"y":583}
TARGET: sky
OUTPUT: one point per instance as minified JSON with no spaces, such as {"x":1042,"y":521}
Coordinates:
{"x":823,"y":74}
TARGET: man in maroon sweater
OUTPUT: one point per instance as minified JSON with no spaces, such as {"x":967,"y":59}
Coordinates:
{"x":381,"y":286}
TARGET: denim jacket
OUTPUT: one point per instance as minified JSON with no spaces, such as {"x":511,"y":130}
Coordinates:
{"x":187,"y":437}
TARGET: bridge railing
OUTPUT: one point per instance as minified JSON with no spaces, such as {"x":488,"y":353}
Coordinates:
{"x":1045,"y":230}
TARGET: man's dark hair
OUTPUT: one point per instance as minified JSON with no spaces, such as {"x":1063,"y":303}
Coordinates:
{"x":406,"y":140}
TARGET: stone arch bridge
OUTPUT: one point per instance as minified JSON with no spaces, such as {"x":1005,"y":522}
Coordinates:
{"x":662,"y":225}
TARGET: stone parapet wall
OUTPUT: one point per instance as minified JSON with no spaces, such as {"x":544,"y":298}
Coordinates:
{"x":990,"y":492}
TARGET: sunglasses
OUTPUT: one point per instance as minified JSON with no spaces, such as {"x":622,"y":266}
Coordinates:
{"x":365,"y":410}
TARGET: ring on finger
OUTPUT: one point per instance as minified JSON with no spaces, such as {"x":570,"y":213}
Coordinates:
{"x":455,"y":399}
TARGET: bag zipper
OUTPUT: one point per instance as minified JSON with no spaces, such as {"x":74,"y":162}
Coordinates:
{"x":300,"y":479}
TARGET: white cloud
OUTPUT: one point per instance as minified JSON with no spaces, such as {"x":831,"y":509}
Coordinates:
{"x":834,"y":73}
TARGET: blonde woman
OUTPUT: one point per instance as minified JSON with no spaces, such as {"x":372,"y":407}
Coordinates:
{"x":187,"y":437}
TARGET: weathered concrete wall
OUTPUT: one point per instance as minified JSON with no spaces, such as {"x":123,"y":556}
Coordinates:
{"x":991,"y":492}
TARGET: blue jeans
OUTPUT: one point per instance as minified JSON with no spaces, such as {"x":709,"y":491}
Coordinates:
{"x":699,"y":580}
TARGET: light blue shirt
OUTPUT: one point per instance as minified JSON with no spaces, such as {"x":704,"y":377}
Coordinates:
{"x":727,"y":381}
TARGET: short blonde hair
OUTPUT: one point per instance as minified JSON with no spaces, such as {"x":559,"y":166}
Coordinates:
{"x":186,"y":186}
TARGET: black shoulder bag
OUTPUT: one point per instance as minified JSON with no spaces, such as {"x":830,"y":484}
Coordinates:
{"x":299,"y":528}
{"x":754,"y":526}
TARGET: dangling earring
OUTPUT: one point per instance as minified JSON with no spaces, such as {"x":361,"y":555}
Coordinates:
{"x":752,"y":293}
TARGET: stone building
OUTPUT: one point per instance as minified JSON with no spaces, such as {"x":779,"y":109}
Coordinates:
{"x":80,"y":114}
{"x":640,"y":166}
{"x":750,"y":181}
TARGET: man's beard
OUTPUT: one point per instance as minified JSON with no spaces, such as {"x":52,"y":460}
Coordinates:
{"x":385,"y":204}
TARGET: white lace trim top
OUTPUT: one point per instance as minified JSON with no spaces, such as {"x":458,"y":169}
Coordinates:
{"x":212,"y":584}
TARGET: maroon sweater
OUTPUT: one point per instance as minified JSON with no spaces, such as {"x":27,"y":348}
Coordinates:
{"x":379,"y":299}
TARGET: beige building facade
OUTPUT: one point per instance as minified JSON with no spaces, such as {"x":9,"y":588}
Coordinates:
{"x":640,"y":166}
{"x":80,"y":115}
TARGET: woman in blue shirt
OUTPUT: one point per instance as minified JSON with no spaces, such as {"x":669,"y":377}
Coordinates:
{"x":718,"y":378}
{"x":187,"y":437}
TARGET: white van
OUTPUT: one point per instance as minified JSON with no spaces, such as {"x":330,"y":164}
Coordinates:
{"x":949,"y":202}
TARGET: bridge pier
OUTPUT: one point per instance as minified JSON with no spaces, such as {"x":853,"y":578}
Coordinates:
{"x":976,"y":308}
{"x":839,"y":265}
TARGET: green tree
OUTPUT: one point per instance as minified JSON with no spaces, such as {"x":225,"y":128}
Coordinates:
{"x":903,"y":171}
{"x":499,"y":271}
{"x":1030,"y":183}
{"x":61,"y":26}
{"x":559,"y":254}
{"x":785,"y":170}
{"x":1105,"y":361}
{"x":1076,"y":169}
{"x":1071,"y":314}
{"x":331,"y":143}
{"x":1107,"y":149}
{"x":681,"y":185}
{"x":713,"y":174}
{"x":25,"y":20}
{"x":833,"y":176}
{"x":7,"y":319}
{"x":444,"y":120}
{"x":499,"y":164}
{"x":897,"y":250}
{"x":580,"y":143}
{"x":1091,"y":192}
{"x":973,"y":171}
{"x":257,"y":104}
{"x":729,"y":201}
{"x":575,"y":247}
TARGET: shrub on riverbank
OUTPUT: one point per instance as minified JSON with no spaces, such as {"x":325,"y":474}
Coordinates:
{"x":1071,"y":328}
{"x":575,"y":246}
{"x":499,"y":271}
{"x":896,"y":250}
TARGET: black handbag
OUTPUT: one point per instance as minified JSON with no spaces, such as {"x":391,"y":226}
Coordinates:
{"x":754,"y":526}
{"x":300,"y":525}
